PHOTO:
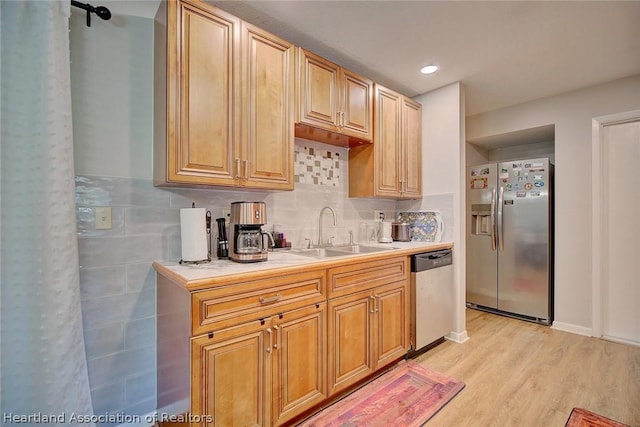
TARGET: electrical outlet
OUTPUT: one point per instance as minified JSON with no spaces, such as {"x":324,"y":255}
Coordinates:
{"x":226,"y":214}
{"x":378,"y":215}
{"x":103,"y":218}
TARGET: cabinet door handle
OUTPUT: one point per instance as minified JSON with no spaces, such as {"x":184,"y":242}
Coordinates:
{"x":373,"y":304}
{"x":245,"y":175}
{"x":377,"y":304}
{"x":277,"y":329}
{"x":269,"y":335}
{"x":237,"y":168}
{"x":269,"y":300}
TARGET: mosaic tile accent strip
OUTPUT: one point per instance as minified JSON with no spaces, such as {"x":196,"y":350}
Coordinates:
{"x":315,"y":166}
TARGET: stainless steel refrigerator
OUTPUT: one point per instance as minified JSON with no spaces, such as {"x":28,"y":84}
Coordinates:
{"x":509,"y":238}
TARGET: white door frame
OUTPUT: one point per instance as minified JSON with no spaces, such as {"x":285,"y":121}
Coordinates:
{"x":598,"y":270}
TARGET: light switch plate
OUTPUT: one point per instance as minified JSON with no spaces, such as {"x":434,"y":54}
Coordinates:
{"x":103,"y":218}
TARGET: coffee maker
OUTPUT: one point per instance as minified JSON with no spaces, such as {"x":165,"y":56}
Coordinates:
{"x":247,"y":238}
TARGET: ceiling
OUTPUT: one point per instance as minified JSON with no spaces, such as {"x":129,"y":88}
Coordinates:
{"x":504,"y":52}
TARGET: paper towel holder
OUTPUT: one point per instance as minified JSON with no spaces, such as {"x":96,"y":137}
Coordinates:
{"x":208,"y":231}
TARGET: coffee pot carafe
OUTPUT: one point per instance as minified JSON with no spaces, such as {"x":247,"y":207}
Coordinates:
{"x":247,"y":242}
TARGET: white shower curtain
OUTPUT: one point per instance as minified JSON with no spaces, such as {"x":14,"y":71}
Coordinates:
{"x":43,"y":363}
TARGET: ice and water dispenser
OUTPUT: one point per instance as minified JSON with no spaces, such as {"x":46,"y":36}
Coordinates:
{"x":481,"y":219}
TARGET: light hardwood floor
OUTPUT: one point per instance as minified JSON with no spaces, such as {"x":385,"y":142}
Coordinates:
{"x":523,"y":374}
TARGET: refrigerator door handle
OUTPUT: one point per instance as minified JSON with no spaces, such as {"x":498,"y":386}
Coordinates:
{"x":493,"y":219}
{"x":500,"y":230}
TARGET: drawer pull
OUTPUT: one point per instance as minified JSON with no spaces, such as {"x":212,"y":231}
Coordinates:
{"x":276,"y":297}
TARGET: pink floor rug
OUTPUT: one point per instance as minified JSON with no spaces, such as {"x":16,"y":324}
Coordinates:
{"x":408,"y":395}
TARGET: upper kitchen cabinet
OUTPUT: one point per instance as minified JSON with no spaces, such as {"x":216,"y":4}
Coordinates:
{"x":224,"y":108}
{"x":392,"y":167}
{"x":335,"y":106}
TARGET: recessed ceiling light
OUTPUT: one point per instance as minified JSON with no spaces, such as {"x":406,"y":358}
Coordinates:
{"x":429,"y":69}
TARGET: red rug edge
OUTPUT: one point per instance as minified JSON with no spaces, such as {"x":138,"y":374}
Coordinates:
{"x":401,"y":366}
{"x":581,"y":417}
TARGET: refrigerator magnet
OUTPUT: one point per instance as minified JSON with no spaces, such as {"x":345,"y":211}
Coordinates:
{"x":479,"y":183}
{"x":528,"y":186}
{"x":521,"y":194}
{"x":539,"y":184}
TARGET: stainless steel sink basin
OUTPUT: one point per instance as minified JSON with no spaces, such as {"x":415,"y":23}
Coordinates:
{"x":320,"y":252}
{"x":341,"y":250}
{"x":360,"y":249}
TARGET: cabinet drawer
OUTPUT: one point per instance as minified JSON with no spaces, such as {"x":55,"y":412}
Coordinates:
{"x":245,"y":301}
{"x":356,"y":277}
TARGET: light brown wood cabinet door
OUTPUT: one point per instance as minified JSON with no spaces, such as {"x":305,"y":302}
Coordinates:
{"x":300,"y":364}
{"x":319,"y":96}
{"x":391,"y":323}
{"x":412,"y":148}
{"x":387,"y":143}
{"x":349,"y":340}
{"x":230,"y":375}
{"x":202,"y":136}
{"x":268,"y":96}
{"x":356,"y":106}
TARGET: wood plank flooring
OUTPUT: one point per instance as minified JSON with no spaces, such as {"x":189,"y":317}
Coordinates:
{"x":523,"y":374}
{"x":519,"y":374}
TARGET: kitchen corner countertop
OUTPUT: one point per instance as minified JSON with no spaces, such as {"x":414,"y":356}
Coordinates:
{"x":194,"y":277}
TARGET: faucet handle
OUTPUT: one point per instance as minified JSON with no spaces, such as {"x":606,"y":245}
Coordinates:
{"x":308,"y":242}
{"x":329,"y":242}
{"x":351,"y":237}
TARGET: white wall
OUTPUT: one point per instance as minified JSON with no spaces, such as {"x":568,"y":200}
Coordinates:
{"x":571,"y":113}
{"x":443,"y":159}
{"x":112,"y":92}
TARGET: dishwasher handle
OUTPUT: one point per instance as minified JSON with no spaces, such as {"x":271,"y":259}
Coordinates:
{"x":431,"y":260}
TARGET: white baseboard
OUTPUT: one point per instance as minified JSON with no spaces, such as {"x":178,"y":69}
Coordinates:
{"x":458,"y":337}
{"x":574,"y":329}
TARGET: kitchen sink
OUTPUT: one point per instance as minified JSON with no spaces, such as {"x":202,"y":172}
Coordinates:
{"x":340,"y":250}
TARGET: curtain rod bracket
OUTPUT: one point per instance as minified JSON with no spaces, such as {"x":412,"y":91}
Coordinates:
{"x":101,"y":11}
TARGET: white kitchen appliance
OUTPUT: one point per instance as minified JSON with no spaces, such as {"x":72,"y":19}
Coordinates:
{"x":510,"y":238}
{"x":432,"y":299}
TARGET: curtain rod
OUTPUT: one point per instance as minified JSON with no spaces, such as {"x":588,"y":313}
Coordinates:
{"x":101,"y":11}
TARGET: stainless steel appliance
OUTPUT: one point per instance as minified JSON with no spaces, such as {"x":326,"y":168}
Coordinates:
{"x":432,"y":299}
{"x":509,"y":238}
{"x":400,"y":232}
{"x":247,"y":238}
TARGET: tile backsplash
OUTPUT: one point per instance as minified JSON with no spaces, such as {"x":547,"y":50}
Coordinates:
{"x":118,"y":282}
{"x":317,"y":165}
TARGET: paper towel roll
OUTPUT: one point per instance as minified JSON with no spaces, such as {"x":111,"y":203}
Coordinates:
{"x":193,"y":232}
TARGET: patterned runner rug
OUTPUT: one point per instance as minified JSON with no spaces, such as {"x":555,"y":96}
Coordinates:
{"x":406,"y":396}
{"x":582,"y":418}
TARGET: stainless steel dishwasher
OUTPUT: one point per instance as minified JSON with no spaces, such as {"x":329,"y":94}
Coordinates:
{"x":432,"y":299}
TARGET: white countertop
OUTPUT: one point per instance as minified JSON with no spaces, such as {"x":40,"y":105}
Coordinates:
{"x":195,"y":276}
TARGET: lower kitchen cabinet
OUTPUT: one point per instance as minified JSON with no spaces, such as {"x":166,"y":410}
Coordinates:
{"x":367,"y":330}
{"x":229,"y":377}
{"x":299,"y":365}
{"x":268,"y":349}
{"x":261,"y":373}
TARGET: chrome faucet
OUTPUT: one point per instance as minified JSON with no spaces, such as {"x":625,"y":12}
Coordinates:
{"x":335,"y":222}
